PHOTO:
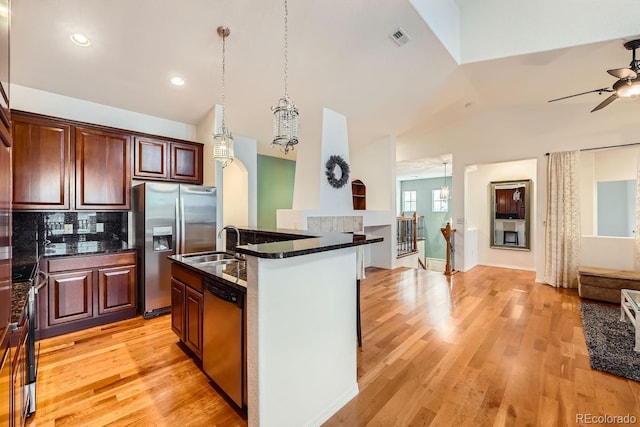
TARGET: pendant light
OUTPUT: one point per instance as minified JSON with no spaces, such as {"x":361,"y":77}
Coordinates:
{"x":444,"y":190}
{"x":223,"y":141}
{"x":285,"y":114}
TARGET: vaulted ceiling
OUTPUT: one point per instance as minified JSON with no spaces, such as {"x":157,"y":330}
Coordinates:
{"x":341,"y":56}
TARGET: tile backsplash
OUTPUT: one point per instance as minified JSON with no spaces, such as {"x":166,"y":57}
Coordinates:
{"x":32,"y":229}
{"x":340,"y":224}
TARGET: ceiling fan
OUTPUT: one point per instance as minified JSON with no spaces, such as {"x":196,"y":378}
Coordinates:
{"x":627,"y":86}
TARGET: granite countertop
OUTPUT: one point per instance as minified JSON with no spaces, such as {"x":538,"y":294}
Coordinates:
{"x":19,"y":296}
{"x":233,"y":274}
{"x":304,"y":243}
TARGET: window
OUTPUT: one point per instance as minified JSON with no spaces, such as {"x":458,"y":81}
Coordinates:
{"x":409,"y":201}
{"x":438,"y":204}
{"x":616,"y":208}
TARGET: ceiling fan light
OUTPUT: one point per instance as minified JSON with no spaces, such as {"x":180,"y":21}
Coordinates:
{"x":627,"y":88}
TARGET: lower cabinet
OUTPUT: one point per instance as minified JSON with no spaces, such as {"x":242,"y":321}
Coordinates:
{"x":187,"y":308}
{"x":86,"y":291}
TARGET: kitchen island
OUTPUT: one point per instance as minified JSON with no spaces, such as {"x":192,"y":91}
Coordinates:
{"x":301,"y":326}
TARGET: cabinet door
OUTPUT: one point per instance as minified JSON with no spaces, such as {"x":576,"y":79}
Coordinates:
{"x":103,"y":170}
{"x":42,"y":162}
{"x":70,"y":296}
{"x":116,"y":289}
{"x":150,"y":158}
{"x":177,"y":307}
{"x":186,"y":162}
{"x":193,"y":320}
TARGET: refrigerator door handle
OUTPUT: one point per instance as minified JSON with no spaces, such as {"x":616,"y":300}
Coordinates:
{"x":182,"y":225}
{"x":178,"y":243}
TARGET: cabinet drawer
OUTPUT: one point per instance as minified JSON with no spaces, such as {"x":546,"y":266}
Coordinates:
{"x":89,"y":262}
{"x":187,"y":276}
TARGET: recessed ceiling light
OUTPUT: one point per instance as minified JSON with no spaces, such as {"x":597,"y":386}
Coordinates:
{"x":80,"y":39}
{"x":178,"y":81}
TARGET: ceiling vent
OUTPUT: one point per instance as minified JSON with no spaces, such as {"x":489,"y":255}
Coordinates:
{"x":399,"y":36}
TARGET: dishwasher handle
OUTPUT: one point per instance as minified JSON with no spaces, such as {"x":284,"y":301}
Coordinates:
{"x":225,"y":292}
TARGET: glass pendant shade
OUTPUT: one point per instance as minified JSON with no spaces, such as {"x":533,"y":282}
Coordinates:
{"x":223,"y":146}
{"x":444,"y":190}
{"x":285,"y":124}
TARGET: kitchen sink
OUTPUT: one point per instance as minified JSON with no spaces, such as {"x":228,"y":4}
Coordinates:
{"x":217,"y":257}
{"x":220,"y":261}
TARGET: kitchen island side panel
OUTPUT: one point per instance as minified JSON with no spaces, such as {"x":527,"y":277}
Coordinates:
{"x":301,"y":344}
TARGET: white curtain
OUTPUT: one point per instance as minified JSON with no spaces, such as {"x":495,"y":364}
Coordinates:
{"x":562,"y":234}
{"x":636,"y":232}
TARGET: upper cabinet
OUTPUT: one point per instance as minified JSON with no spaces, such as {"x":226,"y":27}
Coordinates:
{"x":61,"y":164}
{"x":103,"y":170}
{"x":42,"y":164}
{"x":161,"y":159}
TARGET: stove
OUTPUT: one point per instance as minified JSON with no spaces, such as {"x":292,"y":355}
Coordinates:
{"x":29,"y":273}
{"x":24,"y":272}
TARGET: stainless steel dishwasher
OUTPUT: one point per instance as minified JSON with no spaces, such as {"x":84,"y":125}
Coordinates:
{"x":223,"y":347}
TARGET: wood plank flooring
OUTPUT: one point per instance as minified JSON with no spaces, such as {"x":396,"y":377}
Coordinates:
{"x":487,"y":347}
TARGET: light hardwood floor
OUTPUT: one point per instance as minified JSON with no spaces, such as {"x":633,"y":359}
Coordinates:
{"x":487,"y":347}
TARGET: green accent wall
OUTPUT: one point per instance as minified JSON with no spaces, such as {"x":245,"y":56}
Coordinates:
{"x":276,"y":177}
{"x":435,"y":246}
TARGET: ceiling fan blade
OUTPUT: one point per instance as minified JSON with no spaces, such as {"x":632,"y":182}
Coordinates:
{"x":623,"y":73}
{"x":599,"y":91}
{"x":606,"y":102}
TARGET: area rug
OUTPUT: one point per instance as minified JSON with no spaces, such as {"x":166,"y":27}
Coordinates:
{"x":610,"y":341}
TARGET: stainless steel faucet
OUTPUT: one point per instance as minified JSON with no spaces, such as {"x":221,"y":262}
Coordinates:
{"x":233,"y":227}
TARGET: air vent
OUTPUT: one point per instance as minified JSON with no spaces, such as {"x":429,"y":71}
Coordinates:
{"x":399,"y":36}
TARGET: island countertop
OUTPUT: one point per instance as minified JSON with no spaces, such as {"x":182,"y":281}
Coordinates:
{"x":302,"y":242}
{"x":233,"y":274}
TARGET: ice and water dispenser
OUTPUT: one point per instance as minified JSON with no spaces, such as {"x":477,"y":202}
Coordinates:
{"x":162,"y":238}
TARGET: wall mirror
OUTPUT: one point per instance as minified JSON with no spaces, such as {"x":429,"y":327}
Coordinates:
{"x":510,"y":214}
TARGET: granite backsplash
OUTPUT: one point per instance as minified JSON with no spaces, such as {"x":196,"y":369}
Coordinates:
{"x":31,"y":229}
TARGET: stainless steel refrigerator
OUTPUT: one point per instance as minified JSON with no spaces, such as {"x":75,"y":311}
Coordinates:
{"x":169,"y":219}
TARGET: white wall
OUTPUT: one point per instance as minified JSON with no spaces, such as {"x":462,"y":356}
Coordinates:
{"x":240,"y":200}
{"x":478,"y":214}
{"x":375,"y":165}
{"x":51,"y":104}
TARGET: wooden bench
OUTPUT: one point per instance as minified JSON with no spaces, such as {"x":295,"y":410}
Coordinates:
{"x":604,"y":284}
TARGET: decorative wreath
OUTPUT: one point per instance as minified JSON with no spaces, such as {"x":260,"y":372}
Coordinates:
{"x":331,"y":176}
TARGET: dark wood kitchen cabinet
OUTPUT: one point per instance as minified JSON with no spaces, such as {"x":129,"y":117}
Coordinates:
{"x":59,"y":166}
{"x":103,"y":169}
{"x":160,"y":159}
{"x":116,"y":289}
{"x":85,"y":291}
{"x":507,"y":207}
{"x":70,"y":297}
{"x":186,"y":162}
{"x":42,"y":164}
{"x":187,"y":307}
